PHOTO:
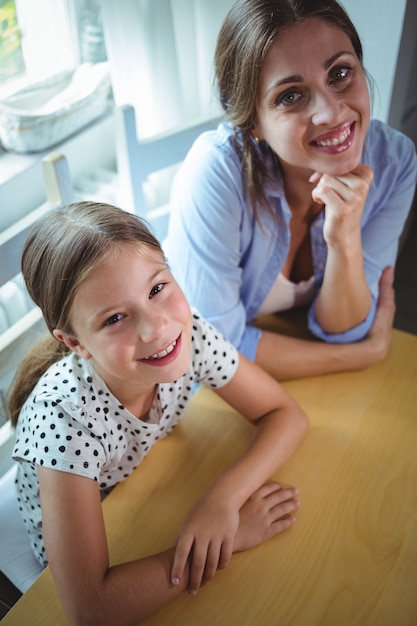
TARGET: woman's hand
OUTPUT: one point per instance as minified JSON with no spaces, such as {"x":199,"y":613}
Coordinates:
{"x":344,"y":299}
{"x":344,"y":198}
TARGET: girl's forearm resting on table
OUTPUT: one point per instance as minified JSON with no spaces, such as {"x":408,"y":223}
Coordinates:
{"x":126,"y":594}
{"x":276,"y":437}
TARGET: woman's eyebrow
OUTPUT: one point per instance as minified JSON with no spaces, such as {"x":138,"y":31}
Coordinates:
{"x":298,"y":78}
{"x":295,"y":78}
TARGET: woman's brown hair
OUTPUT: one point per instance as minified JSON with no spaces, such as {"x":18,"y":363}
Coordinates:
{"x":60,"y":251}
{"x":245,"y":37}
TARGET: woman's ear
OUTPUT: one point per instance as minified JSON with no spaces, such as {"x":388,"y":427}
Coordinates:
{"x":72,"y":343}
{"x":256,"y":134}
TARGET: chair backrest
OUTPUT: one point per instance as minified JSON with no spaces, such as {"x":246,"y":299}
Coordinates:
{"x":23,"y":323}
{"x":137,"y":159}
{"x":20,"y":322}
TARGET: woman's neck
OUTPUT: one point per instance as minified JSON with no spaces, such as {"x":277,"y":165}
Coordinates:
{"x":298,"y":194}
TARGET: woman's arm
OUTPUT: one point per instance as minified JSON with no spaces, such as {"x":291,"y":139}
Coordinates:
{"x":344,"y":300}
{"x":210,"y":530}
{"x":287,"y":357}
{"x":75,"y":539}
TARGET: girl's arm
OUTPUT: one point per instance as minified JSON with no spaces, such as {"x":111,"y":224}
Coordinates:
{"x":90,"y":590}
{"x":75,"y":539}
{"x":210,"y":530}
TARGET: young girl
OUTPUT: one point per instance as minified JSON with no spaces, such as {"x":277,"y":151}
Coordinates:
{"x":114,"y":378}
{"x":298,"y":198}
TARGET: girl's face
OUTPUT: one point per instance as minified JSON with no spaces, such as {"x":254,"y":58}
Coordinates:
{"x":313,"y":106}
{"x":132,"y":320}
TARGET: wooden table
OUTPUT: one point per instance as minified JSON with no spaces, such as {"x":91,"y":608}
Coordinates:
{"x":351,"y":557}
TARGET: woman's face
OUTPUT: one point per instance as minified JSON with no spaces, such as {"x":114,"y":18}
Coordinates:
{"x":313,"y":105}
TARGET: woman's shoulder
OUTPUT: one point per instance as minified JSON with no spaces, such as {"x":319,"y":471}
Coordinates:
{"x":218,"y":146}
{"x":385,"y":143}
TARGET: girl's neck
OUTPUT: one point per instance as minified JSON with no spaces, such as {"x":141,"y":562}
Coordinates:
{"x":140,"y":406}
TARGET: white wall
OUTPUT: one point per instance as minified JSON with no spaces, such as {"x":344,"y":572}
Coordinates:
{"x":379,"y":24}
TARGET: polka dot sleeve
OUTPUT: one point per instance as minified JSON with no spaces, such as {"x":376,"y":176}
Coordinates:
{"x":50,"y":436}
{"x":215,"y":359}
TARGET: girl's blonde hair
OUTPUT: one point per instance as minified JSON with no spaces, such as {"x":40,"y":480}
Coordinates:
{"x":62,"y":248}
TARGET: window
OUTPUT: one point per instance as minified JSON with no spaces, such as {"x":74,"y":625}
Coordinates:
{"x":12,"y":63}
{"x":42,"y":38}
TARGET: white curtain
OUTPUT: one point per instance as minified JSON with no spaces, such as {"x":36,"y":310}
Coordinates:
{"x":161,"y":58}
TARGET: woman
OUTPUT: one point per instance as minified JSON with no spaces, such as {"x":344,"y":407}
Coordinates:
{"x":299,"y":198}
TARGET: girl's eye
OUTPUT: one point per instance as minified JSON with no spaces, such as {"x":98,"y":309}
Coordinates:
{"x":156,"y":289}
{"x":113,"y":319}
{"x":340,"y":74}
{"x":288,"y":98}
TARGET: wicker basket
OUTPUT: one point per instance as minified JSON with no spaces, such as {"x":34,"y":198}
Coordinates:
{"x":46,"y":113}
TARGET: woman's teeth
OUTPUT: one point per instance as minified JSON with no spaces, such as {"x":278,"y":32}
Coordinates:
{"x":336,"y":141}
{"x":159,"y":355}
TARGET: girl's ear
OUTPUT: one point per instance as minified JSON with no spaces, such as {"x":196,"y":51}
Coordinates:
{"x":72,"y":343}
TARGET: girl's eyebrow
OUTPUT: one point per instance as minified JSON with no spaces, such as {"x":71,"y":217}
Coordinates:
{"x":298,"y":78}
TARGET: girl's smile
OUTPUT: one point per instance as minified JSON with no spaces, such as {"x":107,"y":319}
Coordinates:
{"x":130,"y":317}
{"x":165,"y":356}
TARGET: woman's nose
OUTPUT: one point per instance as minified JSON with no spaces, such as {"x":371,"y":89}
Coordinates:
{"x":326,"y":109}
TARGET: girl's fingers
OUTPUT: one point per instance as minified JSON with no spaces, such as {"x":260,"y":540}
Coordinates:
{"x":182,"y":552}
{"x":199,"y":562}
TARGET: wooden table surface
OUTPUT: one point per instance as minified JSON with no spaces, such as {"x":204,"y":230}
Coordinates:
{"x":351,"y":557}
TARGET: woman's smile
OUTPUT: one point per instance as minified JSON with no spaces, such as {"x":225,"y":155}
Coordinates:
{"x":336,"y":141}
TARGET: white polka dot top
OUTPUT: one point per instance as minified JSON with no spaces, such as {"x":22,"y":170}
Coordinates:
{"x":71,"y":422}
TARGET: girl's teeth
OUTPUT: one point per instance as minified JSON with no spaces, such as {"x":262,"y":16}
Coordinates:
{"x":159,"y":355}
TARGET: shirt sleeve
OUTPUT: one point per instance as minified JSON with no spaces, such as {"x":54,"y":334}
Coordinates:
{"x":49,"y":434}
{"x":203,"y":241}
{"x":215,"y":360}
{"x":393,"y":159}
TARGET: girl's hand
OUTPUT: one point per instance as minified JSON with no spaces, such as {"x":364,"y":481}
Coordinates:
{"x":266,"y":513}
{"x":206,"y":538}
{"x":344,"y":198}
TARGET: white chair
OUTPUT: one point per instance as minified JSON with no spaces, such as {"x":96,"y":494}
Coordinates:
{"x":17,"y":561}
{"x":137,"y":160}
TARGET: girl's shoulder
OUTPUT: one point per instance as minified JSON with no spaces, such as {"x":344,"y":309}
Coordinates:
{"x":214,"y":359}
{"x":69,"y":382}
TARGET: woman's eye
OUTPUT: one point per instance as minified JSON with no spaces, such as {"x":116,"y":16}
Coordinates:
{"x":339,"y":74}
{"x":156,"y":289}
{"x":113,"y":319}
{"x":288,"y":98}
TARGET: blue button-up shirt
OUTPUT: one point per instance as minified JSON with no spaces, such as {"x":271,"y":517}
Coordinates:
{"x":226,"y":261}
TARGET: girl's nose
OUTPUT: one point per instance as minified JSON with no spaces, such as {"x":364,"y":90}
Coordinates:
{"x":151,"y":326}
